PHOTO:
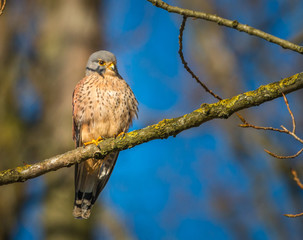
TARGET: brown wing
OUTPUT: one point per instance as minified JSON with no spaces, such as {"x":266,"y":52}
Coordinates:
{"x":75,"y":127}
{"x":76,"y":105}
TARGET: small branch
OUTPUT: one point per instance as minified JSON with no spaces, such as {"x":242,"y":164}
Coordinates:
{"x":290,"y":113}
{"x":284,"y":157}
{"x":165,"y":128}
{"x":299,"y":183}
{"x":293,"y":215}
{"x":292,"y":134}
{"x":229,"y":23}
{"x":283,"y":130}
{"x":188,"y":69}
{"x":297,"y":180}
{"x":2,"y":6}
{"x":248,"y":125}
{"x":185,"y":64}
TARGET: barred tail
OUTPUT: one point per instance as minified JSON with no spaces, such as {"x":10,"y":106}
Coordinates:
{"x":91,"y":177}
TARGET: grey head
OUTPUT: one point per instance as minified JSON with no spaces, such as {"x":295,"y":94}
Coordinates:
{"x":101,"y":62}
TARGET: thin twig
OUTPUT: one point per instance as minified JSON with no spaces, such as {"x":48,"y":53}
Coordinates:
{"x":2,"y":6}
{"x":293,"y":215}
{"x":185,"y":64}
{"x":284,"y":157}
{"x":292,"y":134}
{"x":248,"y":125}
{"x":291,"y":114}
{"x":188,"y":69}
{"x":299,"y":183}
{"x":229,"y":23}
{"x":283,"y":130}
{"x":297,"y":180}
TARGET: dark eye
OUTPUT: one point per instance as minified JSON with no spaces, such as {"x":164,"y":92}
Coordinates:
{"x":101,"y":62}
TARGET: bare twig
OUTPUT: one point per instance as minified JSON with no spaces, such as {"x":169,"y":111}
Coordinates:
{"x":297,"y":180}
{"x":248,"y":125}
{"x":283,"y":130}
{"x":293,"y":215}
{"x":290,"y":113}
{"x":2,"y":6}
{"x":188,"y":69}
{"x":229,"y":23}
{"x":299,"y":183}
{"x":292,"y":134}
{"x":165,"y":128}
{"x":284,"y":157}
{"x":185,"y":64}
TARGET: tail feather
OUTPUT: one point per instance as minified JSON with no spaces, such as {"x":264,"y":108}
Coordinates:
{"x":91,"y":177}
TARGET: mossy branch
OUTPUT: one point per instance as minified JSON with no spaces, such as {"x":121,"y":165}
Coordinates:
{"x":228,"y":23}
{"x":164,"y":129}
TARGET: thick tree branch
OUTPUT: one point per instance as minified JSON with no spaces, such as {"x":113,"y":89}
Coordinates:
{"x":228,"y":23}
{"x":165,"y":128}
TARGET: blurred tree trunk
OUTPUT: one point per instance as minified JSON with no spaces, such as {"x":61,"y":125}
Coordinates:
{"x":69,"y":32}
{"x":12,"y":130}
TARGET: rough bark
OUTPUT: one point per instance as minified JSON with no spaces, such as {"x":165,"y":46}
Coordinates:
{"x":228,"y":23}
{"x":165,"y":128}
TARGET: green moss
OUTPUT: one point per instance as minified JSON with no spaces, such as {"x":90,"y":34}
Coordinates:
{"x":162,"y":123}
{"x":20,"y":169}
{"x":13,"y":171}
{"x":5,"y":173}
{"x":132,"y":134}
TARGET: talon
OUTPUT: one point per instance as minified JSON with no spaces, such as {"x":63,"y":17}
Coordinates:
{"x":99,"y":139}
{"x":96,"y":142}
{"x":121,"y":134}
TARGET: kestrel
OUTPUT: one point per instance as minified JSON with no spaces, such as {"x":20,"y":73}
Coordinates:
{"x":103,"y":106}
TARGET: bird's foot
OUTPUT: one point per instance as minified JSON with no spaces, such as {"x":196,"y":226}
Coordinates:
{"x":121,"y":134}
{"x":94,"y":141}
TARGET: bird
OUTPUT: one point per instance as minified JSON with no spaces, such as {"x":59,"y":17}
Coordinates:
{"x":104,"y":106}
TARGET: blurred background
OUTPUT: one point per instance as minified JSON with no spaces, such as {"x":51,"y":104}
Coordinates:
{"x":211,"y":182}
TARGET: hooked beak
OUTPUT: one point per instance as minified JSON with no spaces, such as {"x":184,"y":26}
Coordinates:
{"x":112,"y":66}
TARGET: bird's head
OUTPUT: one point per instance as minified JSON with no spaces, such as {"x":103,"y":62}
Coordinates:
{"x":101,"y":62}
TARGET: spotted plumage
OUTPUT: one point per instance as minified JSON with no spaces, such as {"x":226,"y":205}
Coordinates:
{"x":103,"y":106}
